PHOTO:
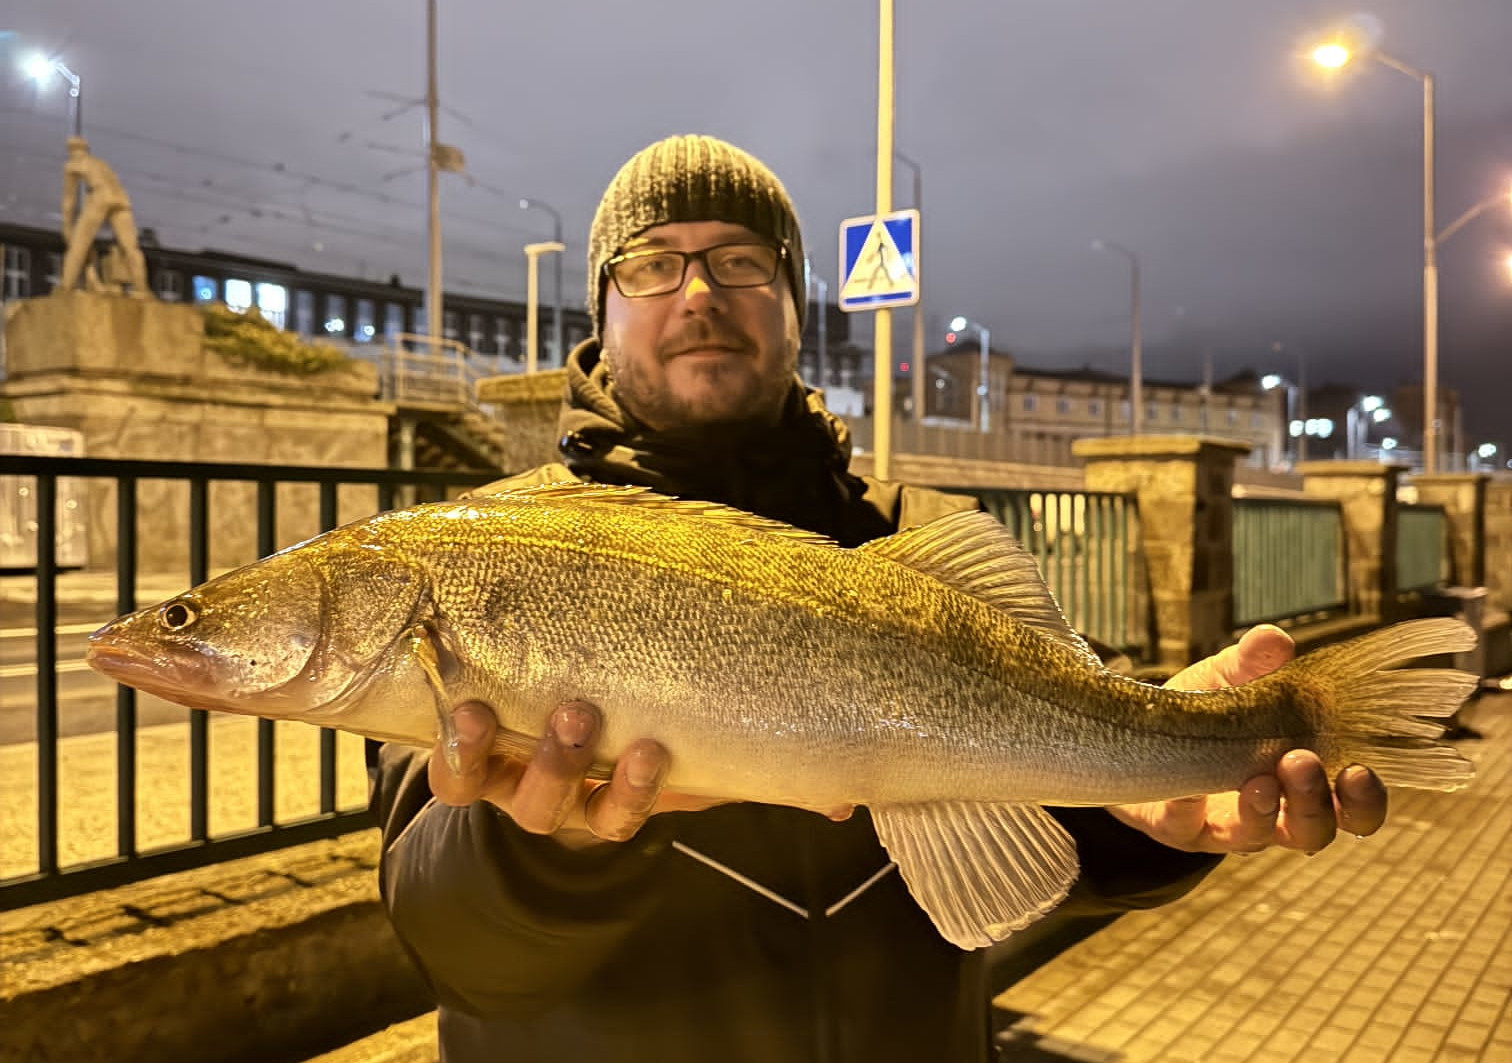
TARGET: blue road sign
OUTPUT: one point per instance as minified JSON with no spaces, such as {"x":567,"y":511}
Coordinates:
{"x":879,"y":261}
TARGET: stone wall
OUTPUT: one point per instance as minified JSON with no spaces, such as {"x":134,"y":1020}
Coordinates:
{"x":135,"y":378}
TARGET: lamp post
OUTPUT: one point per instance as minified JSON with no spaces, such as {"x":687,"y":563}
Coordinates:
{"x":918,"y":307}
{"x":40,"y":68}
{"x":980,"y":405}
{"x":533,"y":253}
{"x":559,"y":348}
{"x":1136,"y":355}
{"x":1332,"y":56}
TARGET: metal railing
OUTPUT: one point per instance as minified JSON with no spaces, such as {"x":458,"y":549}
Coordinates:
{"x":1088,"y":549}
{"x":1288,"y":559}
{"x":1422,"y":556}
{"x":52,"y":876}
{"x":418,"y":369}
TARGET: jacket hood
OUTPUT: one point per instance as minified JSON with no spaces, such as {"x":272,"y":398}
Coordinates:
{"x":784,"y":472}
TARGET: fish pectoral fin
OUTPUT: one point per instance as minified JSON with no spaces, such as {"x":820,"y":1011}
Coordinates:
{"x":979,"y":871}
{"x":436,"y":660}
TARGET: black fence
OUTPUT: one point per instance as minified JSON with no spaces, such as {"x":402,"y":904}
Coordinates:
{"x":51,"y":879}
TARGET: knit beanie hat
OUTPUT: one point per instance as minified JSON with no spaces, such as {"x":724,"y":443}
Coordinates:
{"x":692,"y":178}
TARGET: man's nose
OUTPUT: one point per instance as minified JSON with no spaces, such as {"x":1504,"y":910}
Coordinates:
{"x":697,"y":291}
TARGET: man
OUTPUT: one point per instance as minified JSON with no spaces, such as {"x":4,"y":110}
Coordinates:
{"x":104,"y":201}
{"x":562,"y":919}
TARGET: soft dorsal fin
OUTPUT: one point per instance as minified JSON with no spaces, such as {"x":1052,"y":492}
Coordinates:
{"x":611,"y":494}
{"x":971,"y":552}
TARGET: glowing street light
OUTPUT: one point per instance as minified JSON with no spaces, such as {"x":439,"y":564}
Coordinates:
{"x":1332,"y":55}
{"x":980,"y":412}
{"x":41,"y":69}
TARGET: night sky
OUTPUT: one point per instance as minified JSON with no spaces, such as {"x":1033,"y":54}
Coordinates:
{"x":1265,"y":203}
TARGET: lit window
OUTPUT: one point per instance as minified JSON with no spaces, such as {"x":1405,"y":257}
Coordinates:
{"x":475,"y":333}
{"x":421,"y":322}
{"x":54,"y":269}
{"x":238,"y":294}
{"x":501,"y":336}
{"x":1094,"y":407}
{"x":393,"y":321}
{"x":205,"y":289}
{"x":449,"y":321}
{"x":1029,"y":403}
{"x":1063,"y":406}
{"x":1152,"y":412}
{"x":365,"y":330}
{"x":273,"y":301}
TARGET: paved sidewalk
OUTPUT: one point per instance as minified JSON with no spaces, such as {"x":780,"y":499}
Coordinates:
{"x":1394,"y":949}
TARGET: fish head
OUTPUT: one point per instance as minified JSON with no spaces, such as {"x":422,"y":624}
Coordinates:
{"x":281,"y":638}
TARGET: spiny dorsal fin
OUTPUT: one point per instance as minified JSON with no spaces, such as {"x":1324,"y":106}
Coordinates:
{"x":976,"y":555}
{"x":979,"y":871}
{"x":577,"y":491}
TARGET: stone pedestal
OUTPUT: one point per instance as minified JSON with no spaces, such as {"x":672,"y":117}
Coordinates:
{"x":135,"y":378}
{"x":529,"y":404}
{"x":1183,"y":485}
{"x":1366,"y":492}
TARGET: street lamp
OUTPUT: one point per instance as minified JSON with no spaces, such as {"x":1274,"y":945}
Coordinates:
{"x":533,"y":252}
{"x":1333,"y":55}
{"x":1357,"y":420}
{"x":1136,"y":366}
{"x":560,"y":355}
{"x":39,"y":68}
{"x":980,"y":406}
{"x":918,"y":307}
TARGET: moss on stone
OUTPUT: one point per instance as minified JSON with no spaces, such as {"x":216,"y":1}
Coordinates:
{"x":247,"y":338}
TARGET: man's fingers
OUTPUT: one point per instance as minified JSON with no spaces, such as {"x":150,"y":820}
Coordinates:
{"x":475,"y":727}
{"x":1361,"y":797}
{"x":1308,"y":818}
{"x":1256,"y":805}
{"x":1259,"y":652}
{"x":616,"y":810}
{"x":552,"y":782}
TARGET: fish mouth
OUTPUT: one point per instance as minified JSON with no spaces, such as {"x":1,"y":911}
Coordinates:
{"x":152,"y":675}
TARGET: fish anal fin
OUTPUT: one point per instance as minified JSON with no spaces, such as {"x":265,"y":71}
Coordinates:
{"x":609,"y":494}
{"x":979,"y":871}
{"x":973,"y":553}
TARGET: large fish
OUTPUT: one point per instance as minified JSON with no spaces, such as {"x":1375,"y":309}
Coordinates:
{"x":928,"y":675}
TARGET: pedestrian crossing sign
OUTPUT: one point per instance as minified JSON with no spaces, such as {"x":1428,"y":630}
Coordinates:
{"x":879,"y":260}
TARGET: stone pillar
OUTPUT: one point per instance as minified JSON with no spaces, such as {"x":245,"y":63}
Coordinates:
{"x":1498,"y":541}
{"x":1463,"y":496}
{"x":1183,"y":485}
{"x":529,"y":403}
{"x":1366,"y":491}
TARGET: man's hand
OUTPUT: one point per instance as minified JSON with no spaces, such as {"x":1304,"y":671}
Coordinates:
{"x":1294,"y":808}
{"x":549,"y":793}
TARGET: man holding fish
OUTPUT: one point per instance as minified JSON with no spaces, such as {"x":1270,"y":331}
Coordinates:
{"x":743,"y":757}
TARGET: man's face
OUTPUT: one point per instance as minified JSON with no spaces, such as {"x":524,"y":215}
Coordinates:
{"x":701,"y":355}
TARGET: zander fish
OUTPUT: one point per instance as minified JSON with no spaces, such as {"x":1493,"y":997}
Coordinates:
{"x":928,"y":675}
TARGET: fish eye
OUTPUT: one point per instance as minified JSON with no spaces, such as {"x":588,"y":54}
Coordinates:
{"x":177,"y":615}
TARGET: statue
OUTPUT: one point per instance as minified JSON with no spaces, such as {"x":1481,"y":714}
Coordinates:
{"x":104,"y":201}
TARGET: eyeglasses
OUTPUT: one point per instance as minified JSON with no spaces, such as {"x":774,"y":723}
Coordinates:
{"x":656,"y":271}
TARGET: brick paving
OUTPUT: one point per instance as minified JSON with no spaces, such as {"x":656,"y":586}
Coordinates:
{"x":1393,"y":949}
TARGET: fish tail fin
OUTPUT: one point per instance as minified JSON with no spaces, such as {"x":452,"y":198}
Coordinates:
{"x":1371,"y":712}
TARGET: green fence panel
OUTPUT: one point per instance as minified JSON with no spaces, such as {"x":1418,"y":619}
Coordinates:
{"x":1288,"y":559}
{"x":1422,"y":559}
{"x":1084,"y":543}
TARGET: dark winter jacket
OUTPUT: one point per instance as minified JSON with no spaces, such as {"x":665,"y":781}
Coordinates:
{"x":714,"y":935}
